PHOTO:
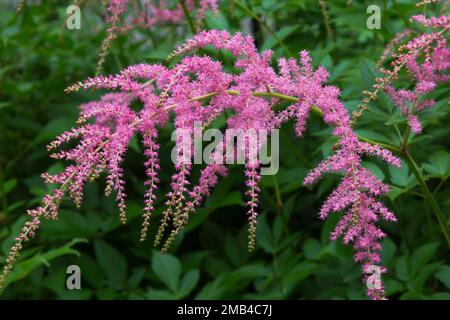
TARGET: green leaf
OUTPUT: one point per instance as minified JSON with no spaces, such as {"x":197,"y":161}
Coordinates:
{"x":232,"y":199}
{"x":298,"y":273}
{"x":402,"y":268}
{"x":136,"y":277}
{"x":423,"y":274}
{"x":440,"y":296}
{"x":389,"y":249}
{"x":373,"y":135}
{"x":188,"y":283}
{"x":374,"y":169}
{"x":312,"y":249}
{"x":443,"y":274}
{"x":235,"y":250}
{"x":250,"y":271}
{"x":91,"y":271}
{"x":367,"y":70}
{"x":9,"y":185}
{"x":194,"y":259}
{"x":394,"y":192}
{"x":107,"y":294}
{"x":155,"y":294}
{"x":4,"y":105}
{"x":421,"y":257}
{"x":167,"y":268}
{"x":327,"y":228}
{"x":220,"y":22}
{"x":439,"y":165}
{"x":401,"y":176}
{"x":393,"y":286}
{"x":213,"y":290}
{"x":70,"y":224}
{"x":277,"y":228}
{"x":264,"y":236}
{"x":23,"y":268}
{"x":112,"y":263}
{"x":283,"y":33}
{"x":134,"y":144}
{"x":53,"y":128}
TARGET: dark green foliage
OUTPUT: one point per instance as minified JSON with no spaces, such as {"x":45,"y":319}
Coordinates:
{"x":294,"y":258}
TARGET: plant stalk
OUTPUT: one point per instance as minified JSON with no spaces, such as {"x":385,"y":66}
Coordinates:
{"x":427,"y":193}
{"x":188,"y":16}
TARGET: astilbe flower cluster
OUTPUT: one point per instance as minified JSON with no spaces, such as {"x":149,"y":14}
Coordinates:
{"x":116,"y":8}
{"x":198,"y":89}
{"x":154,"y":12}
{"x":390,"y":47}
{"x":162,"y":12}
{"x":426,"y":58}
{"x":427,"y":71}
{"x":423,"y":3}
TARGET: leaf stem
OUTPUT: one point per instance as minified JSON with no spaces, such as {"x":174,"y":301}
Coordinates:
{"x":277,"y":192}
{"x":441,"y":183}
{"x":426,"y":191}
{"x":188,"y":16}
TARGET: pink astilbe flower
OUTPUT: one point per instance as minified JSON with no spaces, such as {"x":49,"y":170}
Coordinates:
{"x":155,"y":12}
{"x":150,"y":135}
{"x":359,"y":188}
{"x":161,"y":12}
{"x":209,"y":177}
{"x":198,"y":90}
{"x":116,"y":8}
{"x":423,"y":3}
{"x":426,"y":57}
{"x":427,"y":72}
{"x":114,"y":156}
{"x":253,"y":178}
{"x":205,"y":6}
{"x":389,"y":49}
{"x":433,"y":22}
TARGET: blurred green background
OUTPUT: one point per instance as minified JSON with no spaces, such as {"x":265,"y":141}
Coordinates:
{"x":294,"y":258}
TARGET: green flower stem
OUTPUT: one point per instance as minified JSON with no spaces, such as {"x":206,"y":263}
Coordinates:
{"x":316,"y":111}
{"x":441,"y":183}
{"x":277,"y":191}
{"x":290,"y":99}
{"x":188,"y":16}
{"x":279,"y":204}
{"x":426,"y":191}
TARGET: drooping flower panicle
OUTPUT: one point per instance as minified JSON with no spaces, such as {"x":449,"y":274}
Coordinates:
{"x":154,"y":12}
{"x":426,"y":58}
{"x":427,"y":72}
{"x":197,"y":89}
